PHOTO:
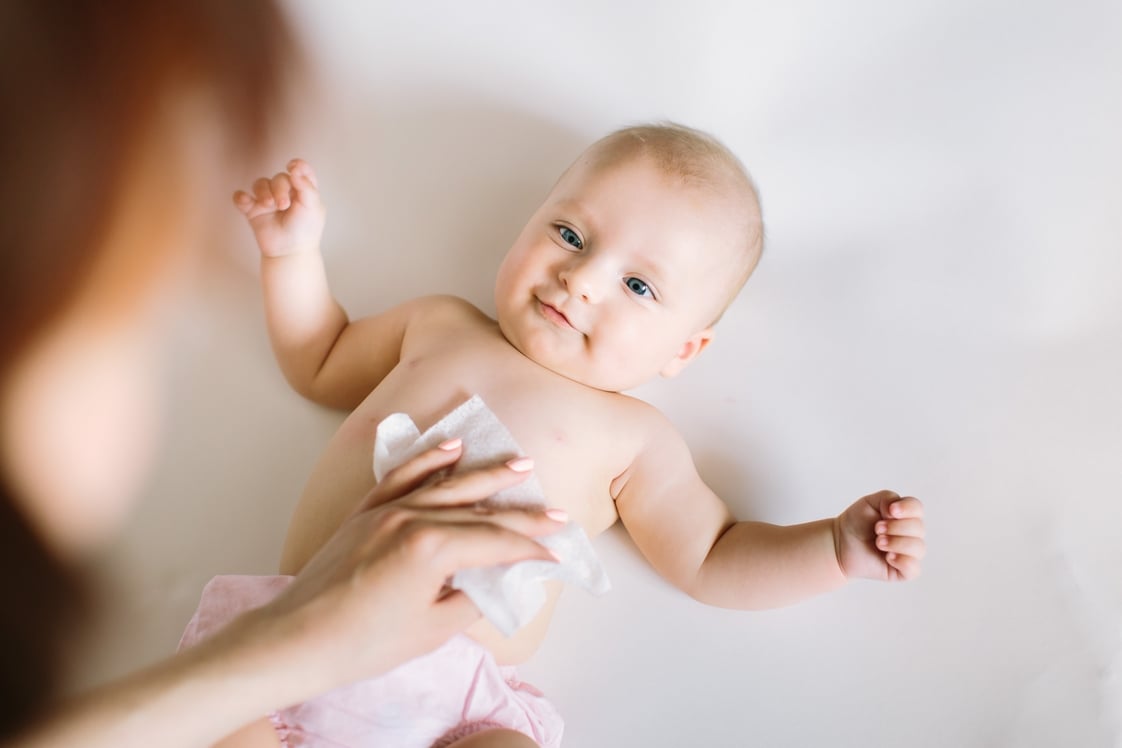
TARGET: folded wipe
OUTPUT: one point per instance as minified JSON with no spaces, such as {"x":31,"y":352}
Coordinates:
{"x":508,"y":595}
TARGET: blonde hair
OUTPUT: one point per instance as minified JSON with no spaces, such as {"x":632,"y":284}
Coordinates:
{"x":700,"y":160}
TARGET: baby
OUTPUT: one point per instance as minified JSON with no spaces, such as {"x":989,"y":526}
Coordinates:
{"x":618,"y":277}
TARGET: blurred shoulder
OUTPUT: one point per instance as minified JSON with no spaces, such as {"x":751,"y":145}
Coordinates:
{"x":445,"y":309}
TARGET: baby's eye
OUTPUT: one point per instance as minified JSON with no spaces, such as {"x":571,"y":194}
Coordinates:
{"x":570,"y":237}
{"x":637,"y":287}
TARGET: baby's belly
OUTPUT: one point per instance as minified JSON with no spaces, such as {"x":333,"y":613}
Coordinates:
{"x":516,"y":649}
{"x":343,"y":473}
{"x":569,"y":437}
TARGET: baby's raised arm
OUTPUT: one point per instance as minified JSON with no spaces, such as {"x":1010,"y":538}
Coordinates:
{"x":691,"y":538}
{"x":324,"y":356}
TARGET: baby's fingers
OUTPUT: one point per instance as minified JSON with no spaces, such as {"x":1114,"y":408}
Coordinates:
{"x":281,"y":188}
{"x":302,"y":170}
{"x":902,"y":545}
{"x":908,"y":507}
{"x":263,"y":193}
{"x":257,"y":204}
{"x":902,"y":567}
{"x":244,"y":201}
{"x":911,"y":527}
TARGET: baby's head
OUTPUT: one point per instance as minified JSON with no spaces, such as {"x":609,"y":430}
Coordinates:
{"x":622,"y":272}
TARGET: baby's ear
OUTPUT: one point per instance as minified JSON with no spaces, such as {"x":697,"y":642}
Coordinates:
{"x":690,"y":350}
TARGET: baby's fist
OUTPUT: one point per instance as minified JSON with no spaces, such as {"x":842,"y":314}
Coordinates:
{"x":881,"y":537}
{"x":285,"y":212}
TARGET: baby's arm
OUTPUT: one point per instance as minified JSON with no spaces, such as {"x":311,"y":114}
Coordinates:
{"x":690,"y":537}
{"x":324,"y":356}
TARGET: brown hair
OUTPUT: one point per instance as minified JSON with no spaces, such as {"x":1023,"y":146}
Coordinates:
{"x":82,"y":84}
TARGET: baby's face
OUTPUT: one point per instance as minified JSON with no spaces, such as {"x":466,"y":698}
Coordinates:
{"x":618,"y":275}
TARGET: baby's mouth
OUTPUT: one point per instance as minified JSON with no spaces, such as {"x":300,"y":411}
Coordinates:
{"x":554,"y":315}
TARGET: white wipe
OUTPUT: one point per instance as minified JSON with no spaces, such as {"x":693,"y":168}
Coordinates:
{"x":508,"y":595}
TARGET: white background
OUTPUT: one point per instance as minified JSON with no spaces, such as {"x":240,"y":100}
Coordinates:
{"x":937,"y":312}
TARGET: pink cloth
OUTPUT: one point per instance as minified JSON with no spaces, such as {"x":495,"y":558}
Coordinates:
{"x":452,"y":692}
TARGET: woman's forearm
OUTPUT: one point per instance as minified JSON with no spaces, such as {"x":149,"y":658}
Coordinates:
{"x":190,"y":700}
{"x":370,"y":600}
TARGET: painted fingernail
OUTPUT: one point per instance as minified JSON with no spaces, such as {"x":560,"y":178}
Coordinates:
{"x":520,"y":464}
{"x":450,"y":445}
{"x":557,"y":514}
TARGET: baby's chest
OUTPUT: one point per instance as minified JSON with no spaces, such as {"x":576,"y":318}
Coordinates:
{"x":577,"y":446}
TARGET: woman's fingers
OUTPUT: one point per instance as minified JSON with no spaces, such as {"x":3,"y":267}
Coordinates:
{"x":457,"y":498}
{"x":411,"y":474}
{"x":531,"y":521}
{"x":451,"y":547}
{"x":475,"y":485}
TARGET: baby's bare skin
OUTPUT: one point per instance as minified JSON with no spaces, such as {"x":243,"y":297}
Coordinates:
{"x":452,"y":352}
{"x":616,"y":279}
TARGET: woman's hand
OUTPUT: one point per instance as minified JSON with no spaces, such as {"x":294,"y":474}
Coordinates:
{"x":374,"y":596}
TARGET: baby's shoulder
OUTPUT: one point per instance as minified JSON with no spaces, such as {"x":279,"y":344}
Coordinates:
{"x":447,"y":308}
{"x":451,"y":314}
{"x":638,"y":419}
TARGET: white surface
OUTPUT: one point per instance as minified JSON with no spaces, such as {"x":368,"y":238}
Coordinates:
{"x":937,"y":312}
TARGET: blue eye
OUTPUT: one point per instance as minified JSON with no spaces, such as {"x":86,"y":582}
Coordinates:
{"x":570,"y":237}
{"x":637,"y":287}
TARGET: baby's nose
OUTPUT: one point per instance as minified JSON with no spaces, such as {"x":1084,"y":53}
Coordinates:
{"x":582,"y":279}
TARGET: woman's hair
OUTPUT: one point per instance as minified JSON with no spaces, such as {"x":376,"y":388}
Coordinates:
{"x":82,"y":84}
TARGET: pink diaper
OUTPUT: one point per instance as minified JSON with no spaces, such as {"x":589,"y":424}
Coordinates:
{"x":428,"y":702}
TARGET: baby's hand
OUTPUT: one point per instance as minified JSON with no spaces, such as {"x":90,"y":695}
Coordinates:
{"x":285,"y":212}
{"x":881,"y":537}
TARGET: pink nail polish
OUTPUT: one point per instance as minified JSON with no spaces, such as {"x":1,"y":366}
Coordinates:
{"x":521,"y":464}
{"x":557,"y":514}
{"x":450,"y":445}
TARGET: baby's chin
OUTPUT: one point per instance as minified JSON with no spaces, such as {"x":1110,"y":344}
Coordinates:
{"x":577,"y":371}
{"x":580,"y":376}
